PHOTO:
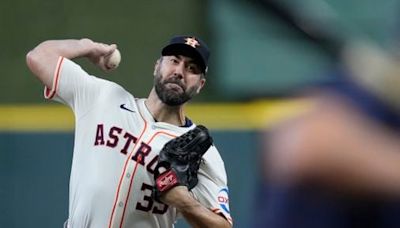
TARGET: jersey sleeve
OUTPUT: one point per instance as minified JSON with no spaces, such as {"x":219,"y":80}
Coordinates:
{"x":74,"y":87}
{"x":212,"y":189}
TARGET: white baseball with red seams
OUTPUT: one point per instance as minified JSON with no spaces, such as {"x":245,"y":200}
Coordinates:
{"x":116,"y":147}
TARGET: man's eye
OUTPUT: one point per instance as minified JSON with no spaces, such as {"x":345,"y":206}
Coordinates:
{"x":174,"y":61}
{"x":193,"y":68}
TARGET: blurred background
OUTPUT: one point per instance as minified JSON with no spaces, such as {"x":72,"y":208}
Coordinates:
{"x":257,"y":60}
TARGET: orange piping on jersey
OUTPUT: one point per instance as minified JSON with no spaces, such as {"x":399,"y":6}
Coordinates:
{"x":215,"y":210}
{"x":160,"y":132}
{"x":134,"y":172}
{"x":218,"y":211}
{"x":229,"y":220}
{"x":48,"y":94}
{"x":129,"y":190}
{"x":123,"y":173}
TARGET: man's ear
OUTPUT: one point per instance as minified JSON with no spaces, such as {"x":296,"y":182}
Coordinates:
{"x":157,"y":66}
{"x":202,"y":83}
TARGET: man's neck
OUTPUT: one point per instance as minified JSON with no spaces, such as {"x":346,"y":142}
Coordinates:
{"x":165,"y":113}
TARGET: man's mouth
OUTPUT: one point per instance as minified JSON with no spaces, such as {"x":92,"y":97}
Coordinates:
{"x":174,"y":86}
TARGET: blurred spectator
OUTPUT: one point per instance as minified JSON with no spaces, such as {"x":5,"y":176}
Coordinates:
{"x":338,"y":163}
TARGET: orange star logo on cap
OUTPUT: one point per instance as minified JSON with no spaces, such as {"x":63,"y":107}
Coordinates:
{"x":192,"y":42}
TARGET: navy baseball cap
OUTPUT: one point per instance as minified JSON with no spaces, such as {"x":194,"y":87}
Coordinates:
{"x":189,"y":46}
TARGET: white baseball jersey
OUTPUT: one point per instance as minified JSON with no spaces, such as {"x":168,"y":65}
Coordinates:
{"x":117,"y":142}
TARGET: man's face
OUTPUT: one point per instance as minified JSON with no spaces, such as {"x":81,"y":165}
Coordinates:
{"x":177,"y":79}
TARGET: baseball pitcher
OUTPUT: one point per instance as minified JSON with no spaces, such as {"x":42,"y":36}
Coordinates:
{"x":136,"y":162}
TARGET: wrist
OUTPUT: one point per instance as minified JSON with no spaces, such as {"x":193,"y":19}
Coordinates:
{"x":186,"y":203}
{"x":86,"y":46}
{"x":178,"y":197}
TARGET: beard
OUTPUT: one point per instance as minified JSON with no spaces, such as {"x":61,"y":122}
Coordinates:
{"x":172,"y":97}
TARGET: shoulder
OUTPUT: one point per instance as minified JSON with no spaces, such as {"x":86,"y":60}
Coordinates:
{"x":71,"y":67}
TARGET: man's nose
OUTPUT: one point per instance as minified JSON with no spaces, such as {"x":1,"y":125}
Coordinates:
{"x":179,"y":70}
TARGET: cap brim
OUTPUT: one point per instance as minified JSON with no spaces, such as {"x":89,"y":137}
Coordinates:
{"x":185,"y":50}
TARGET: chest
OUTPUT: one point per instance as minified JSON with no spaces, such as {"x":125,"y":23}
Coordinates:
{"x":140,"y":143}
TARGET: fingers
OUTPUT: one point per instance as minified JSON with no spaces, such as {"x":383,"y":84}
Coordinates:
{"x":102,"y":49}
{"x":113,"y":47}
{"x":100,"y":52}
{"x":108,"y":49}
{"x":96,"y":49}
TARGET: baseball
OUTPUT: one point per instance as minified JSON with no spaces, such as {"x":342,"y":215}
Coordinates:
{"x":113,"y":60}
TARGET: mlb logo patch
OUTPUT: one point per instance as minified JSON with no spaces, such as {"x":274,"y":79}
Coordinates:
{"x":223,"y":199}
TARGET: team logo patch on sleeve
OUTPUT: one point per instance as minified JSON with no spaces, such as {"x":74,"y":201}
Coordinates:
{"x":223,"y":199}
